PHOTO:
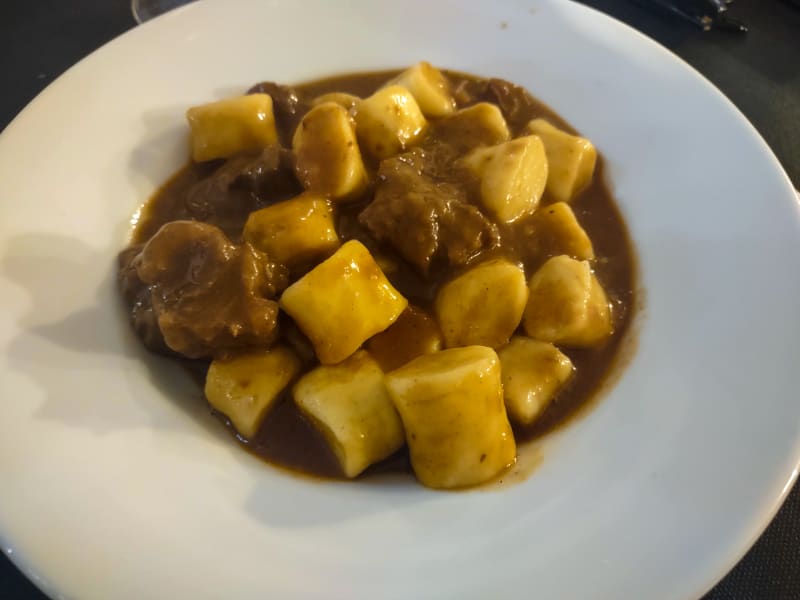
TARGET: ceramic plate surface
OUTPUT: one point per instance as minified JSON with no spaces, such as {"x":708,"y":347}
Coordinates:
{"x":117,"y":483}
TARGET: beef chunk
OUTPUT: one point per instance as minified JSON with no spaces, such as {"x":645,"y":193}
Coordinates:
{"x":269,"y":173}
{"x":206,"y":294}
{"x":469,"y":91}
{"x":137,"y":295}
{"x":236,"y":188}
{"x":424,"y":218}
{"x":287,"y":105}
{"x":514,"y":101}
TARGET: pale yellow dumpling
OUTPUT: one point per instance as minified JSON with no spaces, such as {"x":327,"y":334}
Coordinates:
{"x":350,"y":406}
{"x":567,"y":305}
{"x":451,"y":404}
{"x":389,"y":121}
{"x":482,"y":306}
{"x":533,"y":373}
{"x":295,"y":231}
{"x":342,"y":302}
{"x":429,"y":87}
{"x":328,"y":158}
{"x":511,"y":175}
{"x":228,"y":127}
{"x":555,"y":230}
{"x":245,"y":387}
{"x":571,"y":159}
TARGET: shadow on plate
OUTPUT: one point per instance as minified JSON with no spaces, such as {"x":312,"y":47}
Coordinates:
{"x":76,"y":328}
{"x":74,"y":338}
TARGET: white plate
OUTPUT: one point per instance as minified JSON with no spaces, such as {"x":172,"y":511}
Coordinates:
{"x":117,"y":483}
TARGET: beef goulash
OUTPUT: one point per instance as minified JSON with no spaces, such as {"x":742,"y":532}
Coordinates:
{"x":385,"y":271}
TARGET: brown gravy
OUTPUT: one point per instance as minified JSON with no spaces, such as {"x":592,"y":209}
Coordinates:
{"x":287,"y":440}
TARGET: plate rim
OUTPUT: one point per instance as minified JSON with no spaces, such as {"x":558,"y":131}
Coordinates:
{"x":772,"y":504}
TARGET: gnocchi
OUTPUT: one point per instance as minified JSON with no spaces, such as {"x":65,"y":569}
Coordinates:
{"x":415,"y":266}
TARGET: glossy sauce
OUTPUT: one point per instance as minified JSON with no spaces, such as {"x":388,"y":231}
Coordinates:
{"x":286,"y":439}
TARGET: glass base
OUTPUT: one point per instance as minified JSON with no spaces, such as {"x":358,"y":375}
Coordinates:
{"x":144,"y":10}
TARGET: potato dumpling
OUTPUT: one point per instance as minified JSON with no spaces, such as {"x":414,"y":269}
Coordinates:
{"x":430,"y":89}
{"x":244,"y":387}
{"x":228,"y":127}
{"x":567,"y":304}
{"x":295,"y":231}
{"x":389,"y":121}
{"x":328,"y":157}
{"x":533,"y":373}
{"x":555,"y":230}
{"x":347,"y":101}
{"x":571,"y":159}
{"x":413,"y":334}
{"x":481,"y":124}
{"x":512,"y":176}
{"x":348,"y":403}
{"x":342,"y":302}
{"x":483,"y":306}
{"x":451,"y":404}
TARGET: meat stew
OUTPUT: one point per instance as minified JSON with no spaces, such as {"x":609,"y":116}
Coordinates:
{"x":412,"y":269}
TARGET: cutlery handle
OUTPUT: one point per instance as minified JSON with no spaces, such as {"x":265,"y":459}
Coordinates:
{"x":706,"y":14}
{"x":670,"y":8}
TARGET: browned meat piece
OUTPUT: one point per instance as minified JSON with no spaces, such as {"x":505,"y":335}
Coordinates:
{"x":515,"y":102}
{"x":207,"y":294}
{"x":235,"y":189}
{"x":469,"y":91}
{"x":270,"y":173}
{"x":423,"y":218}
{"x":288,"y":106}
{"x":137,"y":295}
{"x":129,"y":282}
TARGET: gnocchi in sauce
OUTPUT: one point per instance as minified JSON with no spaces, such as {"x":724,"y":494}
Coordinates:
{"x":411,"y":270}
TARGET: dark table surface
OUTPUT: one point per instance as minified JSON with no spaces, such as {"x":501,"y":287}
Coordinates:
{"x":759,"y":72}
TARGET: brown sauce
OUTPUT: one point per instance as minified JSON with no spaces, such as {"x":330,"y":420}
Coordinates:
{"x":287,"y":440}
